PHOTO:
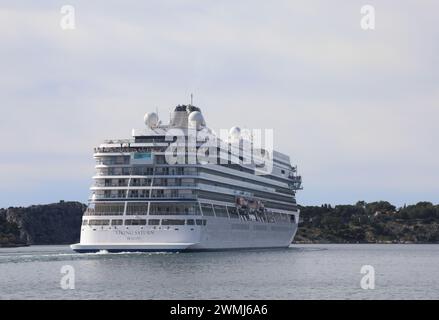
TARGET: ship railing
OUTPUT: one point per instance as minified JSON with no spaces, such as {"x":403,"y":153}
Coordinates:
{"x":144,"y":184}
{"x":118,"y":141}
{"x":143,"y":197}
{"x":110,"y":185}
{"x":127,"y":149}
{"x":173,"y":184}
{"x":106,"y":213}
{"x":146,"y":172}
{"x":112,"y":162}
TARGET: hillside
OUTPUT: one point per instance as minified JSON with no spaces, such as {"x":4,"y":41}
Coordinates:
{"x":57,"y":223}
{"x":376,"y":222}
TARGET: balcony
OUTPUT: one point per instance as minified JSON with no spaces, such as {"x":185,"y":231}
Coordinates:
{"x":101,"y":184}
{"x":144,"y":196}
{"x":109,"y":162}
{"x":128,"y":149}
{"x":148,"y":171}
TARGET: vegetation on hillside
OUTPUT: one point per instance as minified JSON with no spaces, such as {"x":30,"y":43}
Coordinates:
{"x":57,"y":223}
{"x":9,"y":233}
{"x":375,"y":222}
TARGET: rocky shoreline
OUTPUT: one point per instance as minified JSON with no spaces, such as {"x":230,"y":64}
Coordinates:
{"x":57,"y":223}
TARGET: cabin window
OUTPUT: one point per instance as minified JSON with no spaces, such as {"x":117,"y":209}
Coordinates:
{"x":121,"y":194}
{"x":137,"y":208}
{"x":172,"y":222}
{"x":99,"y":222}
{"x":106,"y":209}
{"x":135,"y":222}
{"x":174,"y":209}
{"x":116,"y":222}
{"x":221,"y":211}
{"x":207,"y":210}
{"x":153,"y":222}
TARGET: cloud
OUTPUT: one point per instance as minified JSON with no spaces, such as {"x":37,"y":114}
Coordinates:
{"x":356,"y":110}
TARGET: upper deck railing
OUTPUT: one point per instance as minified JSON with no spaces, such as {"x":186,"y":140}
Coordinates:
{"x":127,"y":149}
{"x":118,"y":141}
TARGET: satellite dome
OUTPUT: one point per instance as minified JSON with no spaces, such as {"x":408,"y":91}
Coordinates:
{"x":151,"y":119}
{"x":196,"y":120}
{"x":235,"y":133}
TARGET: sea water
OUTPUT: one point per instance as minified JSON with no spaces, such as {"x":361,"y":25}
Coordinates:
{"x":319,"y":271}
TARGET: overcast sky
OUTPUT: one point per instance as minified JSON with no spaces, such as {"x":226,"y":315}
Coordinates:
{"x":356,"y":110}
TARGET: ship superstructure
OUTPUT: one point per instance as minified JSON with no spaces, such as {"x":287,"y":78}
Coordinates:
{"x":157,"y":192}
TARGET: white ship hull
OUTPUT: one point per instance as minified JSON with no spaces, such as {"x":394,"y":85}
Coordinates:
{"x":217,"y":234}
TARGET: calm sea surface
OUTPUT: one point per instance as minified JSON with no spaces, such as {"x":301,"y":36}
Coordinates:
{"x":300,"y":272}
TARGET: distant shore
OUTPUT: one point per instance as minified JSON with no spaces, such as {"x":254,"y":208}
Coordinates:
{"x":56,"y":223}
{"x":379,"y":242}
{"x":375,"y":222}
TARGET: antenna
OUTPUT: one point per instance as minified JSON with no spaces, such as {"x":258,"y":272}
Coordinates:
{"x":192,"y":99}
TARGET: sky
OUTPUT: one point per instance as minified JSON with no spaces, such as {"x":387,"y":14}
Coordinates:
{"x":357,"y":110}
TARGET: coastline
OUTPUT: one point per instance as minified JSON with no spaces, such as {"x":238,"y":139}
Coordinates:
{"x":13,"y":245}
{"x":378,"y":242}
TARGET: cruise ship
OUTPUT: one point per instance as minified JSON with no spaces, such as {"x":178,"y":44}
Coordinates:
{"x":182,"y":187}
